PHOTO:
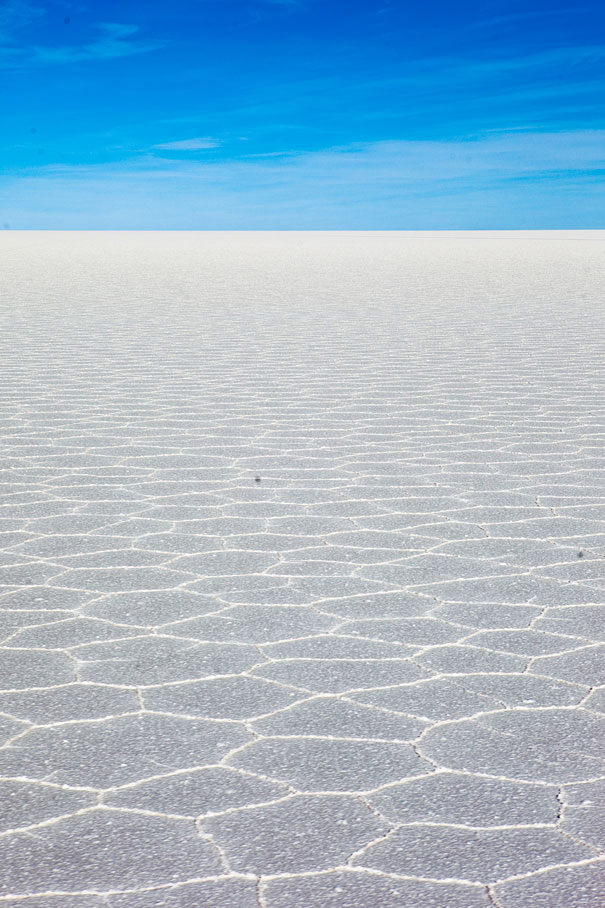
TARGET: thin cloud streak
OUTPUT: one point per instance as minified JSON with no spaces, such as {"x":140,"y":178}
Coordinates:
{"x":523,"y":16}
{"x":189,"y":144}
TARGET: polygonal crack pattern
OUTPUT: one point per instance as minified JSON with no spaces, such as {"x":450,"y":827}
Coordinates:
{"x":302,"y":571}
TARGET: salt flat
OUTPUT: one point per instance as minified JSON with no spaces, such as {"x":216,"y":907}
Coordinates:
{"x":303,"y":570}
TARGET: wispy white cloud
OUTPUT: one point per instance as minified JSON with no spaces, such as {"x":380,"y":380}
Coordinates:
{"x":443,"y":90}
{"x":15,"y":14}
{"x":500,"y":154}
{"x":114,"y":39}
{"x":486,"y":181}
{"x":197,"y":144}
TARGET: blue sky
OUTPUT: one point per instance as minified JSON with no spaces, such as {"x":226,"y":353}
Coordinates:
{"x":302,"y":114}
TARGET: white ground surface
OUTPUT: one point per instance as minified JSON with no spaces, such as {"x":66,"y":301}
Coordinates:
{"x":303,"y":570}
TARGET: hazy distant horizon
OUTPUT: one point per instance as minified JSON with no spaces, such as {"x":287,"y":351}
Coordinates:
{"x":359,"y":230}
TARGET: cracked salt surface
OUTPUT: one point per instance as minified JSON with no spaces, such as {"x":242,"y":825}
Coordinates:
{"x":302,"y":570}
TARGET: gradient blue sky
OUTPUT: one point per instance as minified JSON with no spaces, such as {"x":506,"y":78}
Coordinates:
{"x":302,"y":114}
